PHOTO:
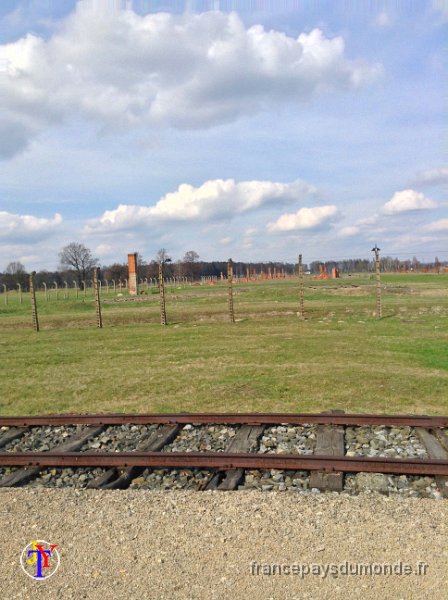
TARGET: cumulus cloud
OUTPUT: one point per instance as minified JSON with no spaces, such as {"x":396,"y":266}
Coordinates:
{"x":407,"y":201}
{"x":305,"y":218}
{"x":213,"y":200}
{"x":121,"y":69}
{"x":432,"y":177}
{"x":26,"y":227}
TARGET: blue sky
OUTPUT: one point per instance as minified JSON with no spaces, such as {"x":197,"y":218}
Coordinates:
{"x":256,"y":130}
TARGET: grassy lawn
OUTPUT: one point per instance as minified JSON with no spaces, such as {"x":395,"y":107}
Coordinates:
{"x":341,"y":356}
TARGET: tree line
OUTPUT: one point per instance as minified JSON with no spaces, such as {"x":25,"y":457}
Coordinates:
{"x":76,"y":262}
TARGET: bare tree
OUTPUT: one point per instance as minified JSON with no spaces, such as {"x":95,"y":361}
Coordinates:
{"x":191,"y":267}
{"x":15,"y":268}
{"x":162,"y":256}
{"x":15,"y":273}
{"x":191,"y":256}
{"x":79,"y":258}
{"x":142,"y":267}
{"x":116,"y":271}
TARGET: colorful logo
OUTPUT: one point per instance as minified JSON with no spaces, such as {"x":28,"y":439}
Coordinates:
{"x":40,"y":559}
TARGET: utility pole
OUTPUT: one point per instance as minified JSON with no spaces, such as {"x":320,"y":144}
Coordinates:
{"x":33,"y":303}
{"x":230,"y":289}
{"x":379,"y":311}
{"x":301,"y":290}
{"x":96,"y":291}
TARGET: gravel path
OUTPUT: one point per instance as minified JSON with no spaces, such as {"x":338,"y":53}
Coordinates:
{"x":184,"y":545}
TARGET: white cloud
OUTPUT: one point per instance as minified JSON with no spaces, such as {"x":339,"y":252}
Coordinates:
{"x":305,"y":218}
{"x":383,"y":20}
{"x":441,"y":7}
{"x":349,"y":231}
{"x":250,"y":231}
{"x":213,"y":200}
{"x":367,"y":221}
{"x":440,"y":225}
{"x":186,"y":71}
{"x":407,"y":201}
{"x":432,"y":177}
{"x":104,"y":249}
{"x":26,"y":228}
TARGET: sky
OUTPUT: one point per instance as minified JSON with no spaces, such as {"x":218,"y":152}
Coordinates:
{"x":251,"y":129}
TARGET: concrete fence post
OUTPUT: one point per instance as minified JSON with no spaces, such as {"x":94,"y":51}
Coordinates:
{"x":33,"y":303}
{"x":301,"y":290}
{"x":230,"y":290}
{"x":96,"y":291}
{"x":379,"y":308}
{"x":162,"y":295}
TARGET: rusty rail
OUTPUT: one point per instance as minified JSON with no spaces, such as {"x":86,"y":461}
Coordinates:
{"x":428,"y":422}
{"x":223,"y":461}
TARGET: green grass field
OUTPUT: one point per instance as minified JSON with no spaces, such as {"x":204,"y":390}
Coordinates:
{"x":340,"y":357}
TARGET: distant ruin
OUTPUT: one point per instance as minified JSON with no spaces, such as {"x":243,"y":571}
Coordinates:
{"x":323,"y":273}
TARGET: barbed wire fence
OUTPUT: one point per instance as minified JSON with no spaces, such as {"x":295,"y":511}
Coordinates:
{"x":333,"y":275}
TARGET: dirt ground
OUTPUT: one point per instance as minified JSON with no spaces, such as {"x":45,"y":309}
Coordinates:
{"x":139,"y":544}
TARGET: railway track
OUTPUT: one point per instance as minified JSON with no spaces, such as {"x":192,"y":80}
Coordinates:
{"x":215,"y":451}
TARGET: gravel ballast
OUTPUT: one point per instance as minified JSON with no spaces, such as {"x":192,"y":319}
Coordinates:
{"x":192,"y":438}
{"x":387,"y":442}
{"x":282,"y":439}
{"x":115,"y":438}
{"x":38,"y":439}
{"x":137,"y":544}
{"x":371,"y":441}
